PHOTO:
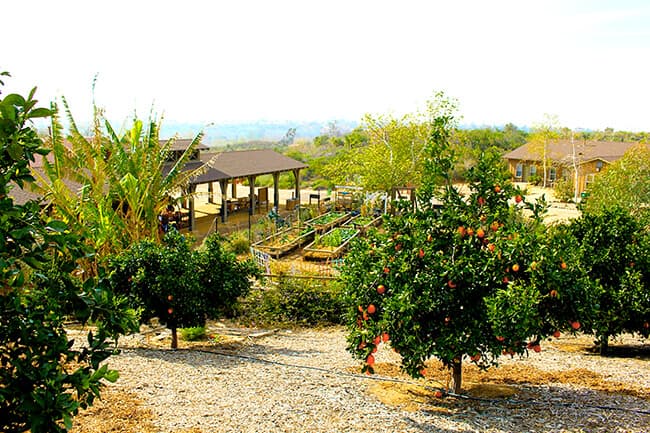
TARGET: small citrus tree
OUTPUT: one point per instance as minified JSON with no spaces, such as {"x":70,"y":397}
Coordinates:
{"x":477,"y":276}
{"x":615,"y":250}
{"x":180,"y":286}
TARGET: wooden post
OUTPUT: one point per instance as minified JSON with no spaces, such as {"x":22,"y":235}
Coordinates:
{"x":296,"y":174}
{"x":276,"y":191}
{"x":224,"y":200}
{"x":251,"y":195}
{"x":192,"y":222}
{"x":210,"y":193}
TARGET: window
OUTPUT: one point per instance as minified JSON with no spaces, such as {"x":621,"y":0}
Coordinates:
{"x":599,"y":165}
{"x":552,"y":174}
{"x":589,"y":179}
{"x":533,"y":170}
{"x":519,"y":169}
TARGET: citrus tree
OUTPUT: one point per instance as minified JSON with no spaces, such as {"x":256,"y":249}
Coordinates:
{"x":181,"y":286}
{"x":44,"y":377}
{"x":615,"y":250}
{"x":465,"y":276}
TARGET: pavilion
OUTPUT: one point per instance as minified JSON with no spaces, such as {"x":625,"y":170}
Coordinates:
{"x":228,"y":168}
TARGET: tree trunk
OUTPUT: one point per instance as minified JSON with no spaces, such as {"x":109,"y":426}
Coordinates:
{"x":174,"y":339}
{"x":457,"y":374}
{"x":604,"y":344}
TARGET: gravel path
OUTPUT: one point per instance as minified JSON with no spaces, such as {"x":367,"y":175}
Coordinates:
{"x":305,"y":384}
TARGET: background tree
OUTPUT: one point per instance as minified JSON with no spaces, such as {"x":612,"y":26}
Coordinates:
{"x":123,"y":179}
{"x":542,"y":134}
{"x":44,"y":378}
{"x":475,"y":278}
{"x":181,"y":286}
{"x":624,"y":184}
{"x":615,"y":250}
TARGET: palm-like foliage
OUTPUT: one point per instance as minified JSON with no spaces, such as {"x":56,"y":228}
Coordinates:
{"x":111,"y":186}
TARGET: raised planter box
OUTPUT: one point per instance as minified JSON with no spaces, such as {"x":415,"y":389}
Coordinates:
{"x":328,"y":220}
{"x":331,"y":244}
{"x":363,"y":223}
{"x":284,"y":241}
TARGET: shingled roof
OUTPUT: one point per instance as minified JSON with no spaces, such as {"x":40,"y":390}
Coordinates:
{"x":241,"y":164}
{"x":180,"y":144}
{"x":562,"y":150}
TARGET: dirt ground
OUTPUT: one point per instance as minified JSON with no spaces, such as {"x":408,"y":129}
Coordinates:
{"x":513,"y":384}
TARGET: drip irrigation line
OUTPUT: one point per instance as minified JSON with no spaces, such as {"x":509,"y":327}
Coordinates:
{"x":378,"y":378}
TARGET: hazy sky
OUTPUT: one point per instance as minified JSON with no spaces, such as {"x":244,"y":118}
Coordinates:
{"x":588,"y":62}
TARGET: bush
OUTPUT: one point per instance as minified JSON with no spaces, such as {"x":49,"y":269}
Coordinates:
{"x":564,"y":190}
{"x":294,"y":302}
{"x":238,"y":242}
{"x":535,"y":179}
{"x":193,"y":334}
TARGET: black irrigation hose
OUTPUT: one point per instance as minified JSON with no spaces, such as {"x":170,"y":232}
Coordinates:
{"x":406,"y":382}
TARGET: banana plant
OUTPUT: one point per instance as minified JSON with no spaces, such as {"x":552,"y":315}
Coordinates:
{"x":110,"y":186}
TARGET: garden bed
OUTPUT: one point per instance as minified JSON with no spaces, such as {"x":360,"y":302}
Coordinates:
{"x":331,"y":244}
{"x":284,"y":241}
{"x":363,"y":222}
{"x":328,"y":220}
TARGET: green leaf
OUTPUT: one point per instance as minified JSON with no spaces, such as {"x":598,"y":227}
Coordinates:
{"x":39,"y":112}
{"x":57,"y":226}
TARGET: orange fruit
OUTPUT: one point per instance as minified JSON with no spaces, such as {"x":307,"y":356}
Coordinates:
{"x":563,"y":265}
{"x":421,"y":253}
{"x":497,"y":189}
{"x":170,"y":311}
{"x":556,"y":334}
{"x":575,"y":325}
{"x":480,"y":233}
{"x":537,"y":348}
{"x":518,"y":199}
{"x":371,"y":309}
{"x":515,"y":267}
{"x":385,"y":337}
{"x":381,"y":289}
{"x":461,"y":231}
{"x":370,"y":360}
{"x":553,"y":293}
{"x":451,"y":284}
{"x":438,"y":394}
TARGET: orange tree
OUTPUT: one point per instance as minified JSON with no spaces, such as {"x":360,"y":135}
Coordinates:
{"x":181,"y":286}
{"x":465,"y":275}
{"x":615,"y":248}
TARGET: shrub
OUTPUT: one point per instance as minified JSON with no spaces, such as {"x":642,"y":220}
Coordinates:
{"x":294,"y":302}
{"x":563,"y":190}
{"x":238,"y":242}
